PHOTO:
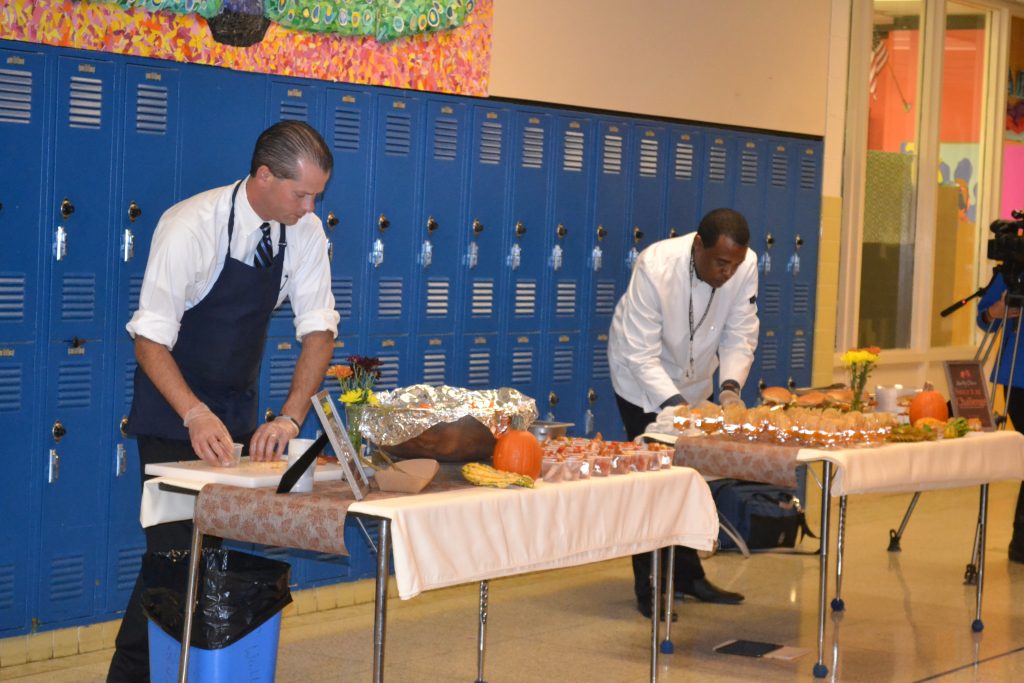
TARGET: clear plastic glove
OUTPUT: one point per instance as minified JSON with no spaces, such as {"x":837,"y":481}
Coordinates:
{"x":665,"y":424}
{"x":728,"y":397}
{"x":271,"y":440}
{"x":210,"y":438}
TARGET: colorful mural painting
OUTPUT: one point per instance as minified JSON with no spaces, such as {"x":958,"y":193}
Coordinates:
{"x":434,"y":45}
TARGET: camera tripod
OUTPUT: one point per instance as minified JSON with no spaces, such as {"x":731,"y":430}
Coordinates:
{"x":1014,"y":302}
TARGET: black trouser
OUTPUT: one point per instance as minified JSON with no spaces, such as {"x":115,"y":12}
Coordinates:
{"x":1015,"y":410}
{"x":131,"y":656}
{"x":687,"y":564}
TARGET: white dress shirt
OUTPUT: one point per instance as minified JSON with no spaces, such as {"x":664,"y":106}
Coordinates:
{"x":649,"y":341}
{"x":188,"y":252}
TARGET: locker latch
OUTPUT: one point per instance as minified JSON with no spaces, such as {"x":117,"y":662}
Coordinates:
{"x":60,"y":243}
{"x":765,"y":266}
{"x":53,"y":468}
{"x":120,"y":460}
{"x":426,"y":254}
{"x":596,"y":257}
{"x":377,"y":253}
{"x":552,"y":401}
{"x":127,"y":245}
{"x":794,"y":261}
{"x":473,"y":251}
{"x":588,"y":421}
{"x":631,"y":257}
{"x":556,"y":257}
{"x":515,"y":256}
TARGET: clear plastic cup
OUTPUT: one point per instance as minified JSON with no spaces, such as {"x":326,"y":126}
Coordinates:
{"x":236,"y":455}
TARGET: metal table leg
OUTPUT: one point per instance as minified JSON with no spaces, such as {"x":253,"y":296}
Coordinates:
{"x":895,"y":536}
{"x":977,"y":624}
{"x":820,"y":670}
{"x":481,"y":640}
{"x":190,"y":601}
{"x":670,"y":600}
{"x":837,"y":602}
{"x":655,"y":605}
{"x":380,"y":600}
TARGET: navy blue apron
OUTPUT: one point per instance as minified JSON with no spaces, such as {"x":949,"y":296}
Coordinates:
{"x":219,"y":349}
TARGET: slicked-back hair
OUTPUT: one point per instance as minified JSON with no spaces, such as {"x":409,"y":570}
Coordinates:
{"x":284,"y":144}
{"x":726,"y":222}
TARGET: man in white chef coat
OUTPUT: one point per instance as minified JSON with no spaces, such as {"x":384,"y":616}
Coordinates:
{"x":690,"y":308}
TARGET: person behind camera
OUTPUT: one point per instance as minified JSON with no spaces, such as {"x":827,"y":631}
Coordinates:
{"x":690,"y":308}
{"x":991,"y":310}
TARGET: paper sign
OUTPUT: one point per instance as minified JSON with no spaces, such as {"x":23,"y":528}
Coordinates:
{"x":968,"y":391}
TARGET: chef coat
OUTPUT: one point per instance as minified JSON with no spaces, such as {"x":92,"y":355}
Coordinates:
{"x":649,"y":340}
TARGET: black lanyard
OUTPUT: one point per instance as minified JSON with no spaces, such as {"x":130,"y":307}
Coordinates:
{"x":693,"y":329}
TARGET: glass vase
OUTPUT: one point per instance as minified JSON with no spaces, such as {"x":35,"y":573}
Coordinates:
{"x":353,"y":422}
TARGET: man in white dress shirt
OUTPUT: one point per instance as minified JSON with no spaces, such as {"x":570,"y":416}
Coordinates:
{"x":220,"y":263}
{"x":690,"y":308}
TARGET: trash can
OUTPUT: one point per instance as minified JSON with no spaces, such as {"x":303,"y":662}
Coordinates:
{"x":237,"y":620}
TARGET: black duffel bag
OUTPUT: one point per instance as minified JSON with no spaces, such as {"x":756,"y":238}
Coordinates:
{"x":765,"y":515}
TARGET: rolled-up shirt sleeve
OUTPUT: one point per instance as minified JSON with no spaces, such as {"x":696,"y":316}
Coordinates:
{"x":309,"y":284}
{"x":739,"y":338}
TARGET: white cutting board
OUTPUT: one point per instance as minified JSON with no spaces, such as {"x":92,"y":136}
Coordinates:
{"x":248,"y":474}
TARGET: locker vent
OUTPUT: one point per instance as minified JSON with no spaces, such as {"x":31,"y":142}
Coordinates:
{"x":526,"y":298}
{"x":388,"y":372}
{"x":490,"y":143}
{"x":389,"y":298}
{"x":434,"y":365}
{"x":479,"y":371}
{"x":771,"y":299}
{"x":599,"y":364}
{"x":129,"y":561}
{"x":6,"y":586}
{"x":437,"y":298}
{"x":12,"y":297}
{"x":342,"y":287}
{"x":717,"y":161}
{"x":284,"y":311}
{"x":10,"y":389}
{"x":604,"y":301}
{"x":74,"y":385}
{"x":648,"y":158}
{"x":748,"y":167}
{"x":78,"y":297}
{"x":129,"y":383}
{"x":347,"y":124}
{"x":151,"y":109}
{"x":483,"y":299}
{"x":563,"y":366}
{"x":565,"y":298}
{"x":522,"y":366}
{"x":798,"y":354}
{"x":611,"y":158}
{"x":533,"y":147}
{"x":768,"y":349}
{"x":67,"y":578}
{"x":86,"y":110}
{"x":294,"y":111}
{"x":808,"y":173}
{"x":281,"y":370}
{"x":572,"y":151}
{"x":780,"y":170}
{"x":134,"y":291}
{"x":684,"y":161}
{"x":397,"y":135}
{"x":801,"y":299}
{"x":446,"y":139}
{"x":15,"y":96}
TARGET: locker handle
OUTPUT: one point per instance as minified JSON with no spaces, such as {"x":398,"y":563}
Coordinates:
{"x":601,"y":232}
{"x":383,"y":223}
{"x":127,"y":245}
{"x":53,"y":470}
{"x":431,"y":225}
{"x":120,"y":460}
{"x":561,"y":231}
{"x":478,"y":227}
{"x":123,"y":427}
{"x":133,"y":211}
{"x":332,"y":220}
{"x":66,"y":208}
{"x":520,"y":229}
{"x":638,"y":234}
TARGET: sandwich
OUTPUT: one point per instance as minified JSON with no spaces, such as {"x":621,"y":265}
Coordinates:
{"x":776,"y":396}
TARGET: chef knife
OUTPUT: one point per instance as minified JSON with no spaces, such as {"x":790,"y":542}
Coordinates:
{"x":300,"y":466}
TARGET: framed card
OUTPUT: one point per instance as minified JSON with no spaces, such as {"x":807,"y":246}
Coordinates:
{"x":968,"y":391}
{"x":351,"y":469}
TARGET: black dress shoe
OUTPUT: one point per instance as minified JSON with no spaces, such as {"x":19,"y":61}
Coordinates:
{"x":1016,"y":554}
{"x":644,"y":607}
{"x":705,"y":591}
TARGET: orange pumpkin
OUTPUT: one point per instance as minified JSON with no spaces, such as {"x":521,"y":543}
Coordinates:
{"x":518,"y":451}
{"x":928,"y":403}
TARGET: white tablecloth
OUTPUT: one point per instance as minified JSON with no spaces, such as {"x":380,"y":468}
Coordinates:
{"x":160,"y":506}
{"x":978,"y":458}
{"x":455,"y":537}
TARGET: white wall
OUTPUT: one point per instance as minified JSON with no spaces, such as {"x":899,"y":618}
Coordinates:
{"x":756,"y":63}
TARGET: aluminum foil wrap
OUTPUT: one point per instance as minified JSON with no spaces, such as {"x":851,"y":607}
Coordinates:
{"x":445,"y":423}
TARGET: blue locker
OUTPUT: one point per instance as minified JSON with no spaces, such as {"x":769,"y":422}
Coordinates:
{"x":19,"y":489}
{"x":601,"y":412}
{"x":72,"y":467}
{"x":719,"y":161}
{"x":749,"y":178}
{"x":568,"y":236}
{"x":349,"y":132}
{"x":434,"y":359}
{"x":682,"y":214}
{"x":23,"y":134}
{"x":478,"y":366}
{"x":561,"y":390}
{"x":648,"y":185}
{"x":397,"y":155}
{"x":279,"y":357}
{"x":483,"y":258}
{"x":801,"y":250}
{"x":607,"y":273}
{"x":147,"y":180}
{"x":522,"y":365}
{"x":393,"y":352}
{"x":442,"y":226}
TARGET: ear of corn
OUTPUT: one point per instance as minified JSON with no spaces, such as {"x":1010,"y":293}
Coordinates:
{"x":485,"y":475}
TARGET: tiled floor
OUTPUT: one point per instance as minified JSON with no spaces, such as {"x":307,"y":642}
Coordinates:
{"x":908,"y":616}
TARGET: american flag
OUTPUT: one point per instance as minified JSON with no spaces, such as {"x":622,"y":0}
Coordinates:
{"x":879,"y":56}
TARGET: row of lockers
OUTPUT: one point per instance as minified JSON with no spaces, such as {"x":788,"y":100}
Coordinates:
{"x":473,"y":243}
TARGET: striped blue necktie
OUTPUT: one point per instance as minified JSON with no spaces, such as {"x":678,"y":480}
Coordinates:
{"x":265,"y":249}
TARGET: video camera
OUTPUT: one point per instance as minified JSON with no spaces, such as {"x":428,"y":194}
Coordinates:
{"x":1007,"y":246}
